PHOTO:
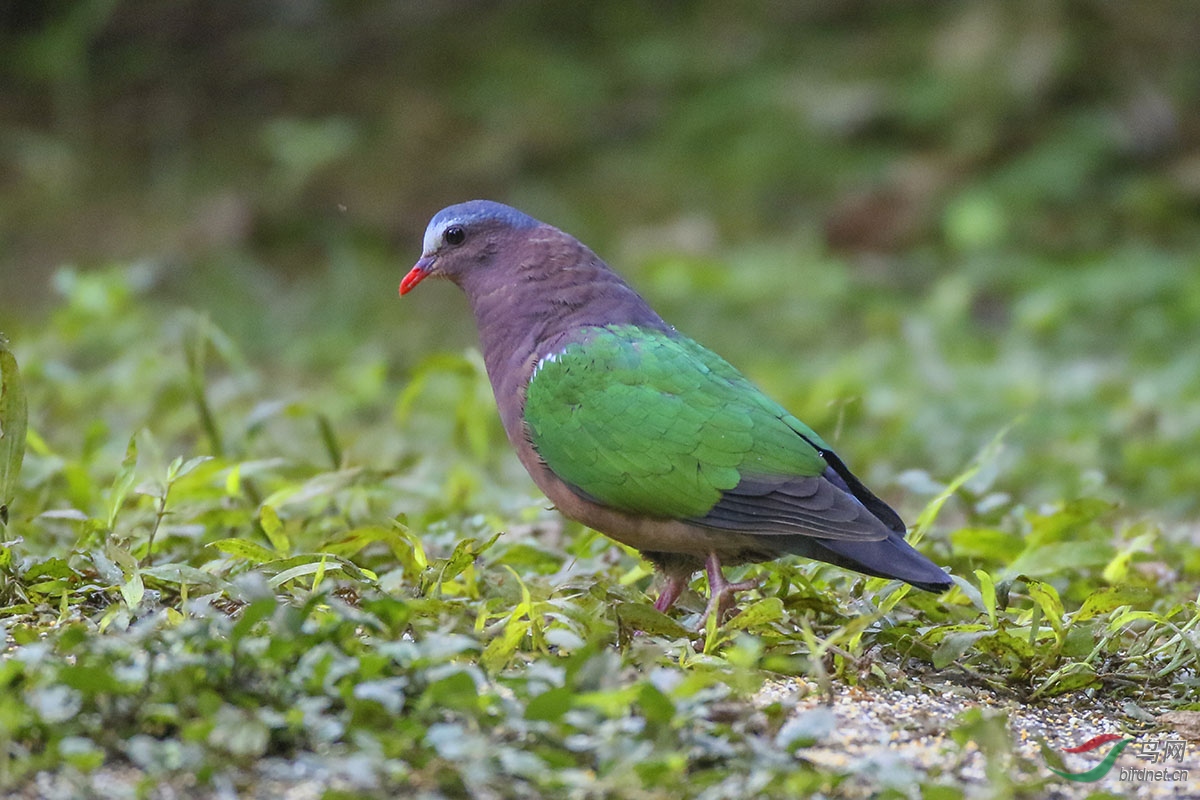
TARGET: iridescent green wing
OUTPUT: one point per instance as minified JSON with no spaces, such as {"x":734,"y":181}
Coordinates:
{"x":652,"y":423}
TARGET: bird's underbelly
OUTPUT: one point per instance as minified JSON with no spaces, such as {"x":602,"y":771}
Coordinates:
{"x":652,"y":534}
{"x":648,"y":534}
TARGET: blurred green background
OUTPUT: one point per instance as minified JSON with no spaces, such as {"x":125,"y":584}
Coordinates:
{"x":914,"y":223}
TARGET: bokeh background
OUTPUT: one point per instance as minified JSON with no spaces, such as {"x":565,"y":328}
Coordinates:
{"x":916,"y":223}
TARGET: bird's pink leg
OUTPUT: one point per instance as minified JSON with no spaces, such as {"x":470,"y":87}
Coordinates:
{"x":670,"y":593}
{"x":720,"y":591}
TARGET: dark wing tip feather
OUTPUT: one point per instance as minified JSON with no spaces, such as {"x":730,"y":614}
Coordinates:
{"x":839,"y":474}
{"x":813,"y":506}
{"x":830,"y":517}
{"x":889,"y":558}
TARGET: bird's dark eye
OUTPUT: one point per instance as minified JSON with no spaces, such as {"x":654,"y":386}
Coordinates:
{"x":454,"y":235}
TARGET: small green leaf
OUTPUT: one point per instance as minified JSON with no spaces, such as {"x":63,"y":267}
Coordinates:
{"x":50,"y":568}
{"x":1117,"y":570}
{"x":14,"y":413}
{"x":329,"y":439}
{"x":454,"y":692}
{"x":985,"y":544}
{"x":319,"y":575}
{"x":1065,"y":523}
{"x":1070,"y":678}
{"x":132,"y":588}
{"x":463,"y":556}
{"x":1058,"y":557}
{"x":1046,"y":596}
{"x":934,"y":507}
{"x":1109,"y":599}
{"x":1079,"y":641}
{"x":987,"y":592}
{"x":612,"y":703}
{"x":319,"y":486}
{"x":316,"y":567}
{"x":268,"y":518}
{"x":500,"y":650}
{"x":755,"y":615}
{"x":404,"y":546}
{"x":251,"y":615}
{"x":648,"y":620}
{"x":310,"y":562}
{"x":1002,"y":644}
{"x":250,"y":551}
{"x":183,"y":575}
{"x":550,"y":705}
{"x":233,"y":481}
{"x":1127,"y":617}
{"x":655,"y":706}
{"x":199,"y":336}
{"x":180,"y":468}
{"x":409,"y":551}
{"x":123,"y":482}
{"x":954,"y":645}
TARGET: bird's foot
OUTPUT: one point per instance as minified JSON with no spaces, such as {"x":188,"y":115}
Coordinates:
{"x":720,"y":591}
{"x":670,"y":592}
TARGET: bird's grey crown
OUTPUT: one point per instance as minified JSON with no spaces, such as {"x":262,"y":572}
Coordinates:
{"x":473,"y":211}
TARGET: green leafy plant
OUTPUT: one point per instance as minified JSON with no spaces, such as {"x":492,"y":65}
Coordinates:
{"x":14,"y":414}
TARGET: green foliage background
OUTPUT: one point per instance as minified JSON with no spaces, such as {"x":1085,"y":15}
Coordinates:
{"x":255,"y":529}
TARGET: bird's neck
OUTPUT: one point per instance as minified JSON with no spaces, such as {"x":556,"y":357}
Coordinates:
{"x":529,"y":312}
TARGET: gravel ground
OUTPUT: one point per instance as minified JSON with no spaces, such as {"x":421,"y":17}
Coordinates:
{"x":883,"y":738}
{"x":887,"y":735}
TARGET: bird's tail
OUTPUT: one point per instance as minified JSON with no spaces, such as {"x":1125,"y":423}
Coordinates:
{"x":886,"y":558}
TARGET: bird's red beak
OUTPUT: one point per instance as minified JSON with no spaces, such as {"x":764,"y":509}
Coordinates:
{"x":418,"y":273}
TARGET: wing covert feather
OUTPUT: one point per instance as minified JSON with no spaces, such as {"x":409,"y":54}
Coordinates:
{"x":652,"y":423}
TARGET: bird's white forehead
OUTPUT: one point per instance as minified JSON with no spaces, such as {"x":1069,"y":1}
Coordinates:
{"x":473,"y":211}
{"x":435,"y":231}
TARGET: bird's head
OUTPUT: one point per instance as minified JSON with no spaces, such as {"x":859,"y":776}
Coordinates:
{"x":462,"y":238}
